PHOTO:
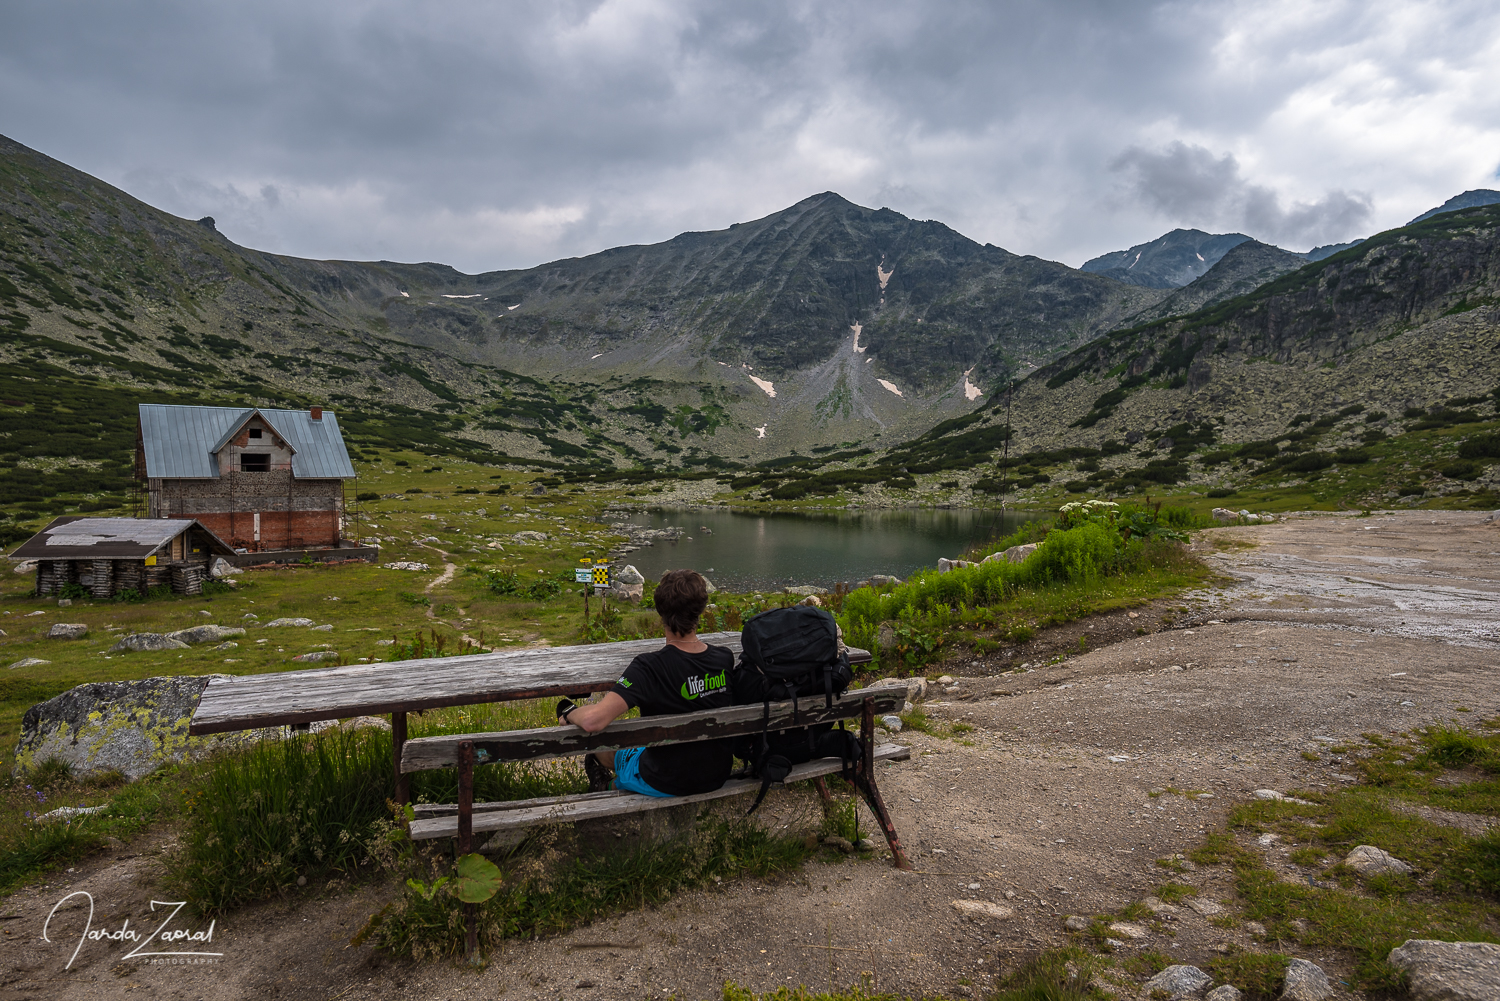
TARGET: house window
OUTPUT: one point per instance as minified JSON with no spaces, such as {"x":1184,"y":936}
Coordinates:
{"x":255,"y":432}
{"x":255,"y":462}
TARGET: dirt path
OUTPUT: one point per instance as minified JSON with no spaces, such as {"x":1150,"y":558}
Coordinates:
{"x":1329,"y":631}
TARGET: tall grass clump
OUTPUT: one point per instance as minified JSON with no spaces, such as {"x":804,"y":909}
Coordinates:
{"x":269,"y":813}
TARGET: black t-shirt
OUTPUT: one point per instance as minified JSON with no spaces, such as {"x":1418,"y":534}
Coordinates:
{"x":668,"y":682}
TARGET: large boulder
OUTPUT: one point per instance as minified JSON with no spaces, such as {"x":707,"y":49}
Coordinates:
{"x":628,"y":584}
{"x":1367,"y":860}
{"x":147,"y":643}
{"x":1449,"y":971}
{"x":67,"y":631}
{"x":1305,"y":982}
{"x":132,"y":727}
{"x":206,"y":634}
{"x":277,"y":623}
{"x":223,"y":568}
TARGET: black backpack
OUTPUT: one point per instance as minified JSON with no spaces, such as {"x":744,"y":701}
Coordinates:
{"x":788,"y":654}
{"x":791,"y":653}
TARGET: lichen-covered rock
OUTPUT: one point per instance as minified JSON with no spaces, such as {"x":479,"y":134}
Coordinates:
{"x":629,"y":576}
{"x":206,"y":634}
{"x":1179,"y":981}
{"x":277,"y":623}
{"x":1449,"y":971}
{"x":1223,"y":992}
{"x":29,"y":662}
{"x":1305,"y":982}
{"x":147,"y":643}
{"x":132,"y":727}
{"x":1367,"y":860}
{"x":67,"y":631}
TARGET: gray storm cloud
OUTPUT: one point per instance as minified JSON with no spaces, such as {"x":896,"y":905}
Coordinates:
{"x":503,"y":134}
{"x":1191,"y":186}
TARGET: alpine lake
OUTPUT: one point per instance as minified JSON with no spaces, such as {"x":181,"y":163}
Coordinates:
{"x":743,"y":553}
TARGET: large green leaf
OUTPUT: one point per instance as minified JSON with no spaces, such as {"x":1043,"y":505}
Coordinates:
{"x":478,"y":879}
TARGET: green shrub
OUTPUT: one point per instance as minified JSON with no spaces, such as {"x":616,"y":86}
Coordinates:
{"x":368,"y":495}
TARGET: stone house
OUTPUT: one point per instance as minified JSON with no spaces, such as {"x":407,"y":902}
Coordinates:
{"x":262,"y":479}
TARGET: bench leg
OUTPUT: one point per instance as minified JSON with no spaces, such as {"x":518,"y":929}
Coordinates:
{"x":466,"y":840}
{"x":864,"y":778}
{"x":398,"y":741}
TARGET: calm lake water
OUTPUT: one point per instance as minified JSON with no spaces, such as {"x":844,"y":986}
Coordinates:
{"x":753,"y":552}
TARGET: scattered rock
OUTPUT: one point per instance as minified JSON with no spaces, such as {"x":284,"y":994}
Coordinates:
{"x":916,"y":689}
{"x":1129,"y":929}
{"x":223,"y":568}
{"x":983,"y":910}
{"x":1367,"y":860}
{"x":227,"y":645}
{"x":29,"y":662}
{"x":1179,"y":981}
{"x":147,"y":643}
{"x":67,"y":631}
{"x":1449,"y":971}
{"x":1272,"y":794}
{"x":1223,"y":515}
{"x":946,"y":679}
{"x":316,"y":655}
{"x":804,"y":589}
{"x":275,"y":623}
{"x":69,"y":812}
{"x":206,"y":634}
{"x":1015,"y":554}
{"x":1207,"y":908}
{"x":1223,"y":992}
{"x":842,"y":844}
{"x":530,"y":537}
{"x":1255,"y":928}
{"x":326,"y":627}
{"x":944,"y":565}
{"x":1305,"y":982}
{"x":131,"y":727}
{"x":406,"y":566}
{"x":64,"y":602}
{"x":1075,"y":922}
{"x":26,"y":566}
{"x":892,"y":723}
{"x":812,"y":601}
{"x":1156,"y":906}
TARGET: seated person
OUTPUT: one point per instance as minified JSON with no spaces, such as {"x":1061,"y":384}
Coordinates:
{"x":684,"y":676}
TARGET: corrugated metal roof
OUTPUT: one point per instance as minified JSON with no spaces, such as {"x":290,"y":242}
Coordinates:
{"x":180,"y":441}
{"x":110,"y":538}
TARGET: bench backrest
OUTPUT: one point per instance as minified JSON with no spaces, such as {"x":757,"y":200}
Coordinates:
{"x":424,"y":753}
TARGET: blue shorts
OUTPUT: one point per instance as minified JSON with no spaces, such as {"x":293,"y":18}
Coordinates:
{"x":628,"y":773}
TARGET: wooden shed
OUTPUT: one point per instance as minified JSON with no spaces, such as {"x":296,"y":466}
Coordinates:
{"x":109,"y":555}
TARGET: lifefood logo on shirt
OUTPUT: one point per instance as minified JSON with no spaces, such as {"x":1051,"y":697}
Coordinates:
{"x":696,"y":686}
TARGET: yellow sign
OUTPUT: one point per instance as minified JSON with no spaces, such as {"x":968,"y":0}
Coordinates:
{"x":150,"y":561}
{"x":601,"y":575}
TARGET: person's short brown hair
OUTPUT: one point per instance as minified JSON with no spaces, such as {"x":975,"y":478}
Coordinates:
{"x":680,"y":598}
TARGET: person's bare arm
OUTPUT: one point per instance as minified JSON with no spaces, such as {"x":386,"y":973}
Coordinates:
{"x":596,"y":716}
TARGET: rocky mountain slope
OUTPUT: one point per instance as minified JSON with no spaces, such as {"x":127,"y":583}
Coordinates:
{"x":1379,"y":364}
{"x":1467,"y":200}
{"x":1246,"y":267}
{"x":824,"y":323}
{"x":1169,"y":261}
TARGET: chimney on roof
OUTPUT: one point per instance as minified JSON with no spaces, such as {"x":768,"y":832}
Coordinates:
{"x":317,"y":413}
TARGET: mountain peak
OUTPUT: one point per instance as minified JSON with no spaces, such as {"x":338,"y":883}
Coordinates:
{"x":1468,"y":200}
{"x":1170,"y":261}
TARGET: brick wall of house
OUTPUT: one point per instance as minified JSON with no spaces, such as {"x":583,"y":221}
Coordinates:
{"x":294,"y":514}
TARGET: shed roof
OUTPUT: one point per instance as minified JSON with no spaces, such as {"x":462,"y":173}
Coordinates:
{"x":180,"y":442}
{"x":110,"y":538}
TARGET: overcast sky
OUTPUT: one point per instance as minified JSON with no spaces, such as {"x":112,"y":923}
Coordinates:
{"x":494,"y":135}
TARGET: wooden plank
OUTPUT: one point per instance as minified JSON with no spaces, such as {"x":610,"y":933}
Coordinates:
{"x":291,"y":697}
{"x":546,"y":743}
{"x":567,"y":810}
{"x":424,"y":811}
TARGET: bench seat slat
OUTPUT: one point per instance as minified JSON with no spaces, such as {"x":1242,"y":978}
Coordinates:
{"x":590,"y":806}
{"x":545,"y":743}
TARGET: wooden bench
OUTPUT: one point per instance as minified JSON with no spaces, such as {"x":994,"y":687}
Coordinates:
{"x":292,"y":698}
{"x":466,"y":751}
